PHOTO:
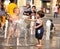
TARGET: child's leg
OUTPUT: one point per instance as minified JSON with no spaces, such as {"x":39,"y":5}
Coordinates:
{"x":39,"y":42}
{"x":9,"y":35}
{"x":16,"y":33}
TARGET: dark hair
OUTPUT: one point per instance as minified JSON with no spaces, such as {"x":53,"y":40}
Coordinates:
{"x":56,"y":4}
{"x":34,"y":7}
{"x":51,"y":20}
{"x":41,"y":13}
{"x":11,"y":1}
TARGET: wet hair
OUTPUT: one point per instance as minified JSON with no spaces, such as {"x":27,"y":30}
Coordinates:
{"x":41,"y":13}
{"x":11,"y":1}
{"x":51,"y":20}
{"x":34,"y":7}
{"x":15,"y":9}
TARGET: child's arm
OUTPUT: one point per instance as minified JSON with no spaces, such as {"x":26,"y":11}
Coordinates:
{"x":34,"y":20}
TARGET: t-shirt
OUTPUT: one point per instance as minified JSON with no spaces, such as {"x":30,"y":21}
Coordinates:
{"x":30,"y":12}
{"x":56,"y":9}
{"x":10,"y":8}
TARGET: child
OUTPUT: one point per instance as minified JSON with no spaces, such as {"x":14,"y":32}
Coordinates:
{"x":52,"y":28}
{"x":32,"y":12}
{"x":39,"y":29}
{"x":52,"y":25}
{"x":13,"y":28}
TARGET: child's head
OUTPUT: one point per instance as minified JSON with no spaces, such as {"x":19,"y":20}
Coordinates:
{"x":33,"y":7}
{"x":16,"y":10}
{"x":40,"y":14}
{"x":51,"y":20}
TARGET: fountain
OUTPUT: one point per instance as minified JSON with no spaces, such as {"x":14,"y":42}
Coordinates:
{"x":22,"y":27}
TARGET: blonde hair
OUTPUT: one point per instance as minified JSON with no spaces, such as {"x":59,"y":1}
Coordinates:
{"x":15,"y":9}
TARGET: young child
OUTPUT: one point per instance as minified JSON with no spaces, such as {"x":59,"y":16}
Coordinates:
{"x":39,"y":29}
{"x":32,"y":12}
{"x":13,"y":28}
{"x":52,"y":28}
{"x":52,"y":25}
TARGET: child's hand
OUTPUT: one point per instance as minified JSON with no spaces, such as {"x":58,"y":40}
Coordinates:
{"x":34,"y":27}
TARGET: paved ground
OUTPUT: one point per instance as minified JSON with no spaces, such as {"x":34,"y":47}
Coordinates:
{"x":30,"y":41}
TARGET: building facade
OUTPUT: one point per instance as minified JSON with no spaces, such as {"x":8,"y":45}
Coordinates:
{"x":47,"y":4}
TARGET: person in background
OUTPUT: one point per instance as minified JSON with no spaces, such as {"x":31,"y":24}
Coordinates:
{"x":10,"y":7}
{"x":52,"y":28}
{"x":27,"y":8}
{"x":32,"y":12}
{"x":56,"y":11}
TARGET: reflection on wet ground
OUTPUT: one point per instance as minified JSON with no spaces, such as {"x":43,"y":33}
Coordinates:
{"x":30,"y":43}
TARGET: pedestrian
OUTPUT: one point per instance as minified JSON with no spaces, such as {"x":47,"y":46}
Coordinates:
{"x":39,"y":29}
{"x":56,"y":11}
{"x":10,"y":7}
{"x":13,"y":24}
{"x":32,"y":12}
{"x":27,"y":8}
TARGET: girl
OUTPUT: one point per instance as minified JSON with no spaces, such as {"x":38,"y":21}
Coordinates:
{"x":13,"y":24}
{"x":39,"y":29}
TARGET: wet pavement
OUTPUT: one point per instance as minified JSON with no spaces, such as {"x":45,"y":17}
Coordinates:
{"x":30,"y":41}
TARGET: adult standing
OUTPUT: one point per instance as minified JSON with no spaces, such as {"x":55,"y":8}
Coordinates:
{"x":56,"y":11}
{"x":27,"y":9}
{"x":10,"y":7}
